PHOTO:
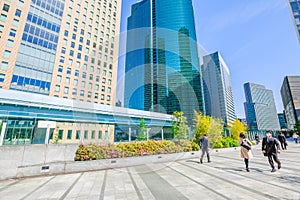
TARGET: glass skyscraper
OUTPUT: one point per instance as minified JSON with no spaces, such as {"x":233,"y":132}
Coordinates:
{"x":290,"y":93}
{"x":217,"y":88}
{"x":162,"y":66}
{"x":295,"y":11}
{"x":260,"y":109}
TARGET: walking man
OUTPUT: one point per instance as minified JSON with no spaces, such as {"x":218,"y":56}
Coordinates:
{"x":295,"y":136}
{"x":271,"y":148}
{"x":282,"y":141}
{"x":204,"y":144}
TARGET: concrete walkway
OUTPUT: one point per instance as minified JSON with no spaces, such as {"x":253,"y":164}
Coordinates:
{"x":224,"y":178}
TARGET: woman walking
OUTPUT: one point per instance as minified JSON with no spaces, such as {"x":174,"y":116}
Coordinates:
{"x":245,"y":151}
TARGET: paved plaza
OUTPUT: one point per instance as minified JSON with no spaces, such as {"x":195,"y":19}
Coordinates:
{"x":224,"y":178}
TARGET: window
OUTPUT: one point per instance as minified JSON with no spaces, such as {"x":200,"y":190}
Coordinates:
{"x":89,"y":94}
{"x":93,"y":134}
{"x":21,"y":3}
{"x":108,"y":98}
{"x":82,"y":93}
{"x":60,"y":134}
{"x":63,"y":50}
{"x":60,"y":69}
{"x":69,"y":137}
{"x":66,"y":33}
{"x":75,"y":82}
{"x":15,"y":22}
{"x":76,"y":73}
{"x":5,"y":7}
{"x":68,"y":80}
{"x":90,"y":86}
{"x":77,"y":134}
{"x":2,"y":76}
{"x":18,"y":13}
{"x":83,"y":84}
{"x":74,"y":92}
{"x":86,"y":134}
{"x":6,"y":54}
{"x":100,"y":135}
{"x":3,"y":17}
{"x":4,"y":65}
{"x":69,"y":71}
{"x":96,"y":96}
{"x":58,"y":78}
{"x":66,"y":90}
{"x":57,"y":88}
{"x":83,"y":75}
{"x":9,"y":43}
{"x":1,"y":28}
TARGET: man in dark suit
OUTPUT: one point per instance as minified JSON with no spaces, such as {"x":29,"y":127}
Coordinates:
{"x":204,"y":144}
{"x":282,"y":140}
{"x":271,"y":148}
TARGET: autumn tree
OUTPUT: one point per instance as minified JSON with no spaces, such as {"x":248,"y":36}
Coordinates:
{"x":215,"y":130}
{"x":180,"y":127}
{"x":202,"y":124}
{"x":236,"y":128}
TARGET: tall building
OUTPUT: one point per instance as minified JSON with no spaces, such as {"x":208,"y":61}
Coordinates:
{"x":162,"y":70}
{"x":60,"y":48}
{"x":217,"y":88}
{"x":260,"y":109}
{"x":282,"y":121}
{"x":295,"y":11}
{"x":290,"y":93}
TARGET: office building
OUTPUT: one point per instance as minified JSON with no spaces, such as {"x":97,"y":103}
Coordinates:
{"x":66,"y":49}
{"x":162,"y":67}
{"x":294,"y":6}
{"x":290,"y":93}
{"x":282,"y":121}
{"x":260,"y":109}
{"x":217,"y":88}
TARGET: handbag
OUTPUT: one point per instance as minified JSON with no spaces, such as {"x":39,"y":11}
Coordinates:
{"x":246,"y":145}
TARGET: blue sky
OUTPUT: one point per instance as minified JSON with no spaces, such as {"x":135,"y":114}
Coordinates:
{"x":256,"y":38}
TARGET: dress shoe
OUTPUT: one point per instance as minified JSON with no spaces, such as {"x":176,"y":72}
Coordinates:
{"x":273,"y":170}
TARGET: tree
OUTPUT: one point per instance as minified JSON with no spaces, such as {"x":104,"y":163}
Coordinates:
{"x":237,"y":127}
{"x":180,"y":127}
{"x":202,"y":125}
{"x":297,"y":127}
{"x":215,"y":130}
{"x":142,"y":131}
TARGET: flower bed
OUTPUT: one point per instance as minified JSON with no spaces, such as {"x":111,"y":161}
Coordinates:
{"x":122,"y":150}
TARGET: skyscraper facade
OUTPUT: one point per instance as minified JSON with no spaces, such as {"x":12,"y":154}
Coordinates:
{"x":290,"y":93}
{"x":66,"y":49}
{"x":282,"y":121}
{"x":217,"y":88}
{"x":260,"y":109}
{"x":162,"y":67}
{"x":294,"y":6}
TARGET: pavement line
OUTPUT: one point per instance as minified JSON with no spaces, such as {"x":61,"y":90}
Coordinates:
{"x":103,"y":186}
{"x":203,"y":185}
{"x":256,"y":179}
{"x":7,"y":186}
{"x":71,"y":187}
{"x":231,"y":182}
{"x":140,"y":196}
{"x":37,"y":188}
{"x":158,"y":186}
{"x":260,"y":163}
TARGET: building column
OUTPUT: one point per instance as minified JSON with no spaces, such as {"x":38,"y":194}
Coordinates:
{"x":2,"y":132}
{"x":129,"y":134}
{"x":162,"y":134}
{"x":47,"y":134}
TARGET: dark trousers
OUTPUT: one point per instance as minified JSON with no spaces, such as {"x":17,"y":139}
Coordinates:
{"x":274,"y":157}
{"x":296,"y":140}
{"x":283,"y":145}
{"x":246,"y":162}
{"x":207,"y":153}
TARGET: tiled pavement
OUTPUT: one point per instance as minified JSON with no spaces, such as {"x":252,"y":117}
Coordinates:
{"x":224,"y":178}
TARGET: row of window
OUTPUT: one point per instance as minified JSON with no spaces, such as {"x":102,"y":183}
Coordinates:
{"x":23,"y":81}
{"x":42,"y":22}
{"x":87,"y":134}
{"x":37,"y":41}
{"x":54,"y":6}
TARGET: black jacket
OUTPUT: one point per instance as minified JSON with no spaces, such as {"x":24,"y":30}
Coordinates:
{"x":270,"y":147}
{"x":281,"y":138}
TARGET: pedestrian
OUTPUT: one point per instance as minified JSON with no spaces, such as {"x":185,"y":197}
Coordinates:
{"x":204,"y":144}
{"x":295,"y":136}
{"x":245,"y":153}
{"x":271,"y":148}
{"x":282,"y":140}
{"x":256,"y":138}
